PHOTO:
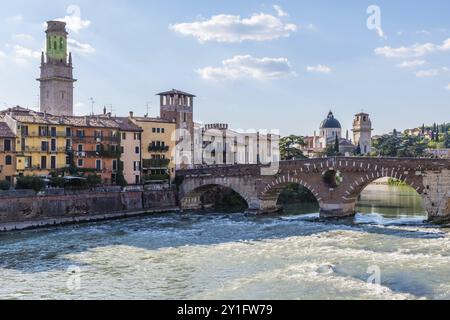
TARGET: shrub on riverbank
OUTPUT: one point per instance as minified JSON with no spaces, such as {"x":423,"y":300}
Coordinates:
{"x":5,"y":185}
{"x":395,"y":182}
{"x":30,"y":183}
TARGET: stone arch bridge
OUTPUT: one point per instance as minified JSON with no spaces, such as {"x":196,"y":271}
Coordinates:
{"x":335,"y":182}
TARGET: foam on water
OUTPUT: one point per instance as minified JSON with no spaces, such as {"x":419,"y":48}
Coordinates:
{"x":218,"y":256}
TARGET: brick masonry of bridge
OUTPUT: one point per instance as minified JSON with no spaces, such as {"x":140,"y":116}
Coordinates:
{"x":261,"y":186}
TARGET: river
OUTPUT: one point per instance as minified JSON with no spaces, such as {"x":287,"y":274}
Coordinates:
{"x":233,"y":256}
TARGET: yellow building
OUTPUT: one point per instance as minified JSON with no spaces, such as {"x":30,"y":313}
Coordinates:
{"x":41,"y":141}
{"x":7,"y":153}
{"x":158,"y":146}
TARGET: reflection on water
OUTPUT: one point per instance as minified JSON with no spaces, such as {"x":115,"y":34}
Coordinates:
{"x":391,"y":201}
{"x":234,"y":256}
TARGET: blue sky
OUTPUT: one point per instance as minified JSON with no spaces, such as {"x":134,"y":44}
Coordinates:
{"x":253,"y":64}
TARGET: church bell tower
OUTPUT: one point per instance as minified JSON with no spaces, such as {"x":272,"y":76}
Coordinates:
{"x":362,"y":132}
{"x":56,"y":80}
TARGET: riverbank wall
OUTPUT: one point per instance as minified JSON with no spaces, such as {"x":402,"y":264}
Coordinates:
{"x":24,"y":209}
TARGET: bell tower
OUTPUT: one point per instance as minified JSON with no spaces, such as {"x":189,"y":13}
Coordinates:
{"x":56,"y":80}
{"x":362,"y":132}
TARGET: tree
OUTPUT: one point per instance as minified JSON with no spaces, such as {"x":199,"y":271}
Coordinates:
{"x":336,"y":144}
{"x":358,"y":150}
{"x":289,"y":147}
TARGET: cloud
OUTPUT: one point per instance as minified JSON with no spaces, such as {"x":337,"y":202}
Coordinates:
{"x":233,"y":29}
{"x":427,"y":73}
{"x":82,"y":48}
{"x":73,"y":20}
{"x":424,"y":32}
{"x":2,"y":56}
{"x":411,"y":64}
{"x":22,"y":37}
{"x":319,"y":69}
{"x":81,"y":109}
{"x":280,"y":11}
{"x":246,"y":66}
{"x":15,"y":19}
{"x":22,"y":54}
{"x":448,"y":87}
{"x":414,"y":51}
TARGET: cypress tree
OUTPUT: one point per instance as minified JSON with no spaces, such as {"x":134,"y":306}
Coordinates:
{"x":336,"y":144}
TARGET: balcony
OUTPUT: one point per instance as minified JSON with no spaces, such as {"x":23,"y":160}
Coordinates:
{"x":155,"y":163}
{"x":91,"y":139}
{"x":44,"y":150}
{"x":155,"y":148}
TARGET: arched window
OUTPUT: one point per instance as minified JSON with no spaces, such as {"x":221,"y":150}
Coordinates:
{"x":55,"y":45}
{"x":8,"y":160}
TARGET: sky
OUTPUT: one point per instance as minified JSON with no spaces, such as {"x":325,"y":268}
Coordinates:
{"x":254,"y":65}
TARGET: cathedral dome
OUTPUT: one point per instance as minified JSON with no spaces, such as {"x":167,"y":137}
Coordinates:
{"x":330,"y":122}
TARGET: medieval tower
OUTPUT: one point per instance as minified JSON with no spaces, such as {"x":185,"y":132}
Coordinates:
{"x":56,"y":81}
{"x":362,"y":132}
{"x":178,"y":106}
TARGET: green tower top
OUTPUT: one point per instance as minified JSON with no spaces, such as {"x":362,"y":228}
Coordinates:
{"x":56,"y":41}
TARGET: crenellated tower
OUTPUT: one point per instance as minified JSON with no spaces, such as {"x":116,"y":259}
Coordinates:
{"x":56,"y":80}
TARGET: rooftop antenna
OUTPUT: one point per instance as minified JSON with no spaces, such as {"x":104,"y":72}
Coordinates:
{"x":92,"y":104}
{"x":148,"y":109}
{"x":110,"y":107}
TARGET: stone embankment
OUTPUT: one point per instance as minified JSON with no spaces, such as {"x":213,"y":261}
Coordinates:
{"x":24,"y":209}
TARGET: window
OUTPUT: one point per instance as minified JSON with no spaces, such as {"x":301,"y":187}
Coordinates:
{"x":124,"y":136}
{"x":28,"y":162}
{"x":68,"y":144}
{"x":24,"y":131}
{"x":43,"y":162}
{"x":184,"y":116}
{"x":53,"y":162}
{"x":98,"y":165}
{"x":80,"y":133}
{"x":53,"y":131}
{"x":137,"y":150}
{"x":162,"y":130}
{"x":7,"y":145}
{"x":137,"y":136}
{"x":98,"y":148}
{"x":114,"y":165}
{"x":8,"y":160}
{"x":136,"y":165}
{"x":44,"y":146}
{"x":68,"y":132}
{"x":43,"y":131}
{"x":137,"y":179}
{"x":154,"y":130}
{"x":53,"y":145}
{"x":67,"y":161}
{"x":80,"y":148}
{"x":80,"y":163}
{"x":158,"y":130}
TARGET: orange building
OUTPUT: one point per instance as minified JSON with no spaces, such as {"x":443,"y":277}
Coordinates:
{"x":95,"y":146}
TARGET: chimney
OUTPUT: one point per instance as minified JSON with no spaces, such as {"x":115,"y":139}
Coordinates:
{"x":131,"y":114}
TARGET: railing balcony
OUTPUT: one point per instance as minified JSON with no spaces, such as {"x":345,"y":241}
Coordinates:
{"x":155,"y":148}
{"x":155,"y":163}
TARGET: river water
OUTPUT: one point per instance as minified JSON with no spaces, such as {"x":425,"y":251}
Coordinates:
{"x":233,"y":256}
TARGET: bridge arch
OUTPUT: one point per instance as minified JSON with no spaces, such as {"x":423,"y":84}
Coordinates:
{"x":192,"y":191}
{"x":272,"y":190}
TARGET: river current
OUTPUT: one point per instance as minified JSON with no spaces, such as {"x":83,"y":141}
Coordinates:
{"x":386,"y":252}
